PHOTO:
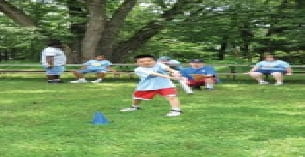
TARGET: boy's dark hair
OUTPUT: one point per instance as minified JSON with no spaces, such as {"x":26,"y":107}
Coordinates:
{"x":55,"y":43}
{"x":144,"y":56}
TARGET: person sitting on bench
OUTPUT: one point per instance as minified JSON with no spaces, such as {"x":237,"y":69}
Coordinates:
{"x":270,"y":66}
{"x":99,"y":65}
{"x":199,"y":74}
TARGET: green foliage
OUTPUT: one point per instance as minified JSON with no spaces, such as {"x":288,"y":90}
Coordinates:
{"x":241,"y":29}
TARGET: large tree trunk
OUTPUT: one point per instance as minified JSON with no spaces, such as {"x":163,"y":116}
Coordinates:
{"x":94,"y":29}
{"x":113,"y":27}
{"x":15,"y":14}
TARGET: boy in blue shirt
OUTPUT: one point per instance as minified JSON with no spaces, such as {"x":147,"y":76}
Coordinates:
{"x":99,"y":65}
{"x":155,"y":80}
{"x":199,"y":75}
{"x":270,"y":66}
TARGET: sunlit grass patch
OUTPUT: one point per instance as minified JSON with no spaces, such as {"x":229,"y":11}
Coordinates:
{"x":244,"y":120}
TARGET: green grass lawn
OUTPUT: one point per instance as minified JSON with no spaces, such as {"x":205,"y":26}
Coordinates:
{"x":238,"y":119}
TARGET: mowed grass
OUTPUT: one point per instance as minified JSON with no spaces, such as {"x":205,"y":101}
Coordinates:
{"x":238,"y":119}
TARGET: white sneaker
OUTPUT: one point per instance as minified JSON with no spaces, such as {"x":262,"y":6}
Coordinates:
{"x":278,"y":83}
{"x":96,"y":81}
{"x":263,"y":82}
{"x":173,"y":113}
{"x":79,"y":81}
{"x":130,"y":109}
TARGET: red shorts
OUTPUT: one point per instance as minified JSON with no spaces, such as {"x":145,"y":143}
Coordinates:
{"x":149,"y":94}
{"x":193,"y":83}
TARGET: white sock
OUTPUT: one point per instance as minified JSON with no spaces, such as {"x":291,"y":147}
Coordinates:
{"x":99,"y":79}
{"x":176,"y":109}
{"x":136,"y":106}
{"x":82,"y":79}
{"x":209,"y":85}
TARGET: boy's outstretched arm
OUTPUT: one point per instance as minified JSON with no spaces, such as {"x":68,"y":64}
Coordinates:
{"x":162,"y":75}
{"x":174,"y":72}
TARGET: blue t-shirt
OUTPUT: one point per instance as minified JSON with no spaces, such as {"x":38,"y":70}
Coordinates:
{"x":150,"y":82}
{"x":205,"y":70}
{"x":98,"y":65}
{"x":272,"y":65}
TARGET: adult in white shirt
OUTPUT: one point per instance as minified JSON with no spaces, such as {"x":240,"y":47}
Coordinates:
{"x":53,"y":59}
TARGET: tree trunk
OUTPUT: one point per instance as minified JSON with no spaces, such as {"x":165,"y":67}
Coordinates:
{"x":223,"y":47}
{"x":300,"y":4}
{"x":246,"y":36}
{"x":15,"y":14}
{"x":94,"y":29}
{"x":113,"y":27}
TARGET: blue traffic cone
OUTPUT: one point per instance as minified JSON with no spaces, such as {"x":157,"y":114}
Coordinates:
{"x":99,"y":119}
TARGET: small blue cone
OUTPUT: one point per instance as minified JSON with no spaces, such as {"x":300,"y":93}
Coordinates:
{"x":99,"y":119}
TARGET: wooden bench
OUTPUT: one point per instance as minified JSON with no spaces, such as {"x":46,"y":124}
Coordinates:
{"x":123,"y":69}
{"x":127,"y":69}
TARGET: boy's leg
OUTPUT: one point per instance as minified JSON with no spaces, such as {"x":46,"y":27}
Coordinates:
{"x":100,"y":75}
{"x":171,"y":95}
{"x":135,"y":106}
{"x":278,"y":76}
{"x":80,"y":77}
{"x":50,"y":78}
{"x":258,"y":76}
{"x":175,"y":106}
{"x":78,"y":74}
{"x":138,"y":96}
{"x":136,"y":102}
{"x":209,"y":83}
{"x":174,"y":102}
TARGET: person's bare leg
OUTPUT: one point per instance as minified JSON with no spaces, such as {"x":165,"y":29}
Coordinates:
{"x":174,"y":102}
{"x":57,"y":79}
{"x":50,"y":78}
{"x":175,"y":106}
{"x":278,"y":76}
{"x":136,"y":102}
{"x":80,"y":77}
{"x":78,"y":74}
{"x":100,"y":75}
{"x":209,"y":83}
{"x":257,"y":76}
{"x":135,"y":106}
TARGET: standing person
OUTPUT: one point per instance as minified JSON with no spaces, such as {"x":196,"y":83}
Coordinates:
{"x":199,"y":75}
{"x":99,"y":65}
{"x":172,"y":63}
{"x":53,"y":59}
{"x":154,"y":80}
{"x":270,"y":66}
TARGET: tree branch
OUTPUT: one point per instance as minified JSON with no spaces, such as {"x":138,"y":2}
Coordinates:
{"x":113,"y":27}
{"x":16,"y":14}
{"x":145,"y":33}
